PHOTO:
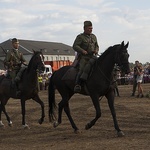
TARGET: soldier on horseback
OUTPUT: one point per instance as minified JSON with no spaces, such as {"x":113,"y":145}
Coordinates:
{"x":13,"y":61}
{"x":86,"y":46}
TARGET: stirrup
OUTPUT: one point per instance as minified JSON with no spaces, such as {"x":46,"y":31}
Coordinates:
{"x":77,"y":88}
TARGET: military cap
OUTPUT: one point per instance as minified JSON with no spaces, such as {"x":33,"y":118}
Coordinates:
{"x":14,"y":40}
{"x":87,"y":23}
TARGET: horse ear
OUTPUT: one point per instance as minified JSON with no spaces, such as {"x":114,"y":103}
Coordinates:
{"x":122,"y":43}
{"x":127,"y":45}
{"x":33,"y":50}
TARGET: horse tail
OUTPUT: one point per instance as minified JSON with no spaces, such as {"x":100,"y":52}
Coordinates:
{"x":51,"y":99}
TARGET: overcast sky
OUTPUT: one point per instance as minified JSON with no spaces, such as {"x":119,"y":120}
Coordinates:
{"x":61,"y":21}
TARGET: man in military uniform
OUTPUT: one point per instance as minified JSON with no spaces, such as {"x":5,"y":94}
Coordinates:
{"x":86,"y":46}
{"x":14,"y":59}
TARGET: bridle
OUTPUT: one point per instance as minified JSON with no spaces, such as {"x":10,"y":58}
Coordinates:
{"x":121,"y":61}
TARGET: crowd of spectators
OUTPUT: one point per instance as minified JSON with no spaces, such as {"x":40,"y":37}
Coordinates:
{"x":128,"y":78}
{"x":122,"y":79}
{"x":43,"y":80}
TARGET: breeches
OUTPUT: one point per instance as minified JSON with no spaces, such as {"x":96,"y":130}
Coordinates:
{"x":13,"y":74}
{"x":83,"y":62}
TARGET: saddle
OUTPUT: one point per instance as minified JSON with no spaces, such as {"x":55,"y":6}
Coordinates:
{"x":70,"y":74}
{"x":16,"y":82}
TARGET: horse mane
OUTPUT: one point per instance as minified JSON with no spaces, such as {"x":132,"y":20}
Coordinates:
{"x":106,"y":52}
{"x":32,"y":58}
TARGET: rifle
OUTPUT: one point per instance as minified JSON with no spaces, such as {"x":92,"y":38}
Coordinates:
{"x":3,"y":50}
{"x":3,"y":60}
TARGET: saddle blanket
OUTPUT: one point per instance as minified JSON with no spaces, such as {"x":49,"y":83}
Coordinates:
{"x":70,"y":74}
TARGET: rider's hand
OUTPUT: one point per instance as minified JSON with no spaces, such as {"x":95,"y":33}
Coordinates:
{"x":25,"y":63}
{"x":95,"y":52}
{"x":84,"y":52}
{"x":11,"y":63}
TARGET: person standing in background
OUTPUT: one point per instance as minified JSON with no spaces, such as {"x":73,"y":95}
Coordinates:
{"x":139,"y":80}
{"x":40,"y":82}
{"x":135,"y":77}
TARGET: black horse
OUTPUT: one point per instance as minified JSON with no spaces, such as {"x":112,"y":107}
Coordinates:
{"x":28,"y":87}
{"x":98,"y":84}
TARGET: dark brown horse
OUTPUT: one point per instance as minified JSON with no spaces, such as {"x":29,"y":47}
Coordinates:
{"x":28,"y":87}
{"x":99,"y":84}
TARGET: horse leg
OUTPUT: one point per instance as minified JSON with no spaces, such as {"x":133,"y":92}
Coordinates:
{"x":60,"y":108}
{"x":25,"y":126}
{"x":1,"y":123}
{"x":2,"y":108}
{"x":110,"y":97}
{"x":38,"y":100}
{"x":64,"y":105}
{"x":95,"y":100}
{"x":7,"y":117}
{"x":67,"y":111}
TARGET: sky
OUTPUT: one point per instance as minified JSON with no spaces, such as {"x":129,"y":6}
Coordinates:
{"x":61,"y":21}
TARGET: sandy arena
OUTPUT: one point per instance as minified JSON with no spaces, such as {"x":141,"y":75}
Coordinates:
{"x":133,"y":116}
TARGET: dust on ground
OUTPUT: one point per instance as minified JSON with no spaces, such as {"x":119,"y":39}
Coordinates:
{"x":133,"y":116}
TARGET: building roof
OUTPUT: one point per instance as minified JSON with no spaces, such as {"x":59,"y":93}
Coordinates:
{"x":49,"y":48}
{"x":1,"y":64}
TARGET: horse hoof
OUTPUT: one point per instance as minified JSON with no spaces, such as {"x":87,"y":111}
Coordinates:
{"x":87,"y":126}
{"x":2,"y":126}
{"x":77,"y":131}
{"x":40,"y":121}
{"x":55,"y":124}
{"x":26,"y":126}
{"x":120,"y":134}
{"x":10,"y":124}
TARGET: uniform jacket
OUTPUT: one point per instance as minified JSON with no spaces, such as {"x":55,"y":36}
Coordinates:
{"x":86,"y":42}
{"x":14,"y":59}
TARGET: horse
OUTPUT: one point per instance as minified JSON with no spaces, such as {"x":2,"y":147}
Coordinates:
{"x":28,"y":86}
{"x":99,"y":84}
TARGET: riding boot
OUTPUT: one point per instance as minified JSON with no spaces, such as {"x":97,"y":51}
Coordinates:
{"x":77,"y":87}
{"x":19,"y":74}
{"x":18,"y":92}
{"x":84,"y":76}
{"x":15,"y":86}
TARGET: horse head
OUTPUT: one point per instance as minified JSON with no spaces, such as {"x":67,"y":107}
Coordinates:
{"x":122,"y":57}
{"x":37,"y":61}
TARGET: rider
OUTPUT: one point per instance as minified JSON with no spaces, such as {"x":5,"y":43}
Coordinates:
{"x":13,"y":61}
{"x":86,"y":46}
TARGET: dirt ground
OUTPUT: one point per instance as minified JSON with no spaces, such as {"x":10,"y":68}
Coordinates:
{"x":133,"y":116}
